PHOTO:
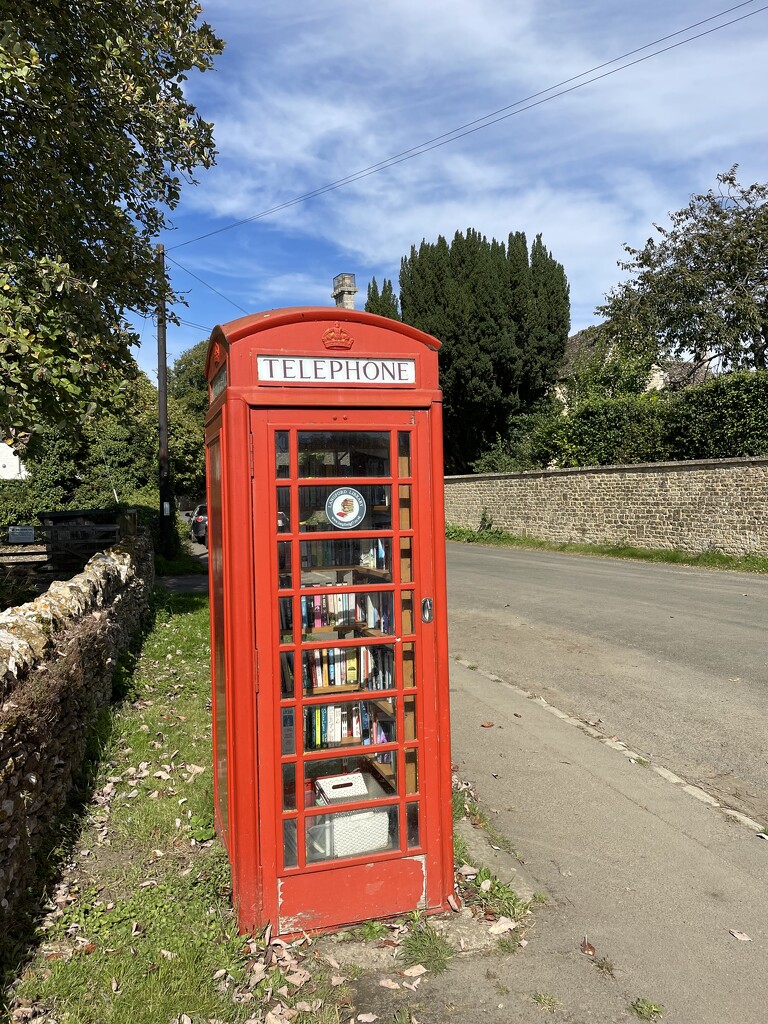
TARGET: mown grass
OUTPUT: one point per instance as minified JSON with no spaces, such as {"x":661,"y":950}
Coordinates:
{"x":139,"y":926}
{"x":705,"y":560}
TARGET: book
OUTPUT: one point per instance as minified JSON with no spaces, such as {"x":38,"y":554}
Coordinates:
{"x":351,"y":659}
{"x":286,"y":674}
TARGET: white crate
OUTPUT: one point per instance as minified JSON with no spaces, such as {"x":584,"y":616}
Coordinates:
{"x":349,"y":833}
{"x":340,"y":788}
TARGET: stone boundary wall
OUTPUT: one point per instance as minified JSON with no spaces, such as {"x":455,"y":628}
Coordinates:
{"x":695,"y":506}
{"x":57,"y":658}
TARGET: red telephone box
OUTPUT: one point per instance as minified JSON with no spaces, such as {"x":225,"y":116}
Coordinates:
{"x":328,"y":617}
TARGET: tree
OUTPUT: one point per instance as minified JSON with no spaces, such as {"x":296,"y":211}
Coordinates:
{"x":187,"y":381}
{"x":700,"y":290}
{"x":384,"y":303}
{"x":597,"y":367}
{"x":503,"y":319}
{"x":96,"y":136}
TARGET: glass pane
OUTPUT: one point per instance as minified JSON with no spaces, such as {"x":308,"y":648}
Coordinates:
{"x":282,"y":465}
{"x":409,"y":666}
{"x":351,"y":833}
{"x":283,"y":509}
{"x":350,"y":561}
{"x":289,"y":843}
{"x":346,"y":780}
{"x":407,"y":608}
{"x":377,"y":511}
{"x":284,"y":564}
{"x":411,"y":771}
{"x":405,"y":506}
{"x":289,"y":787}
{"x":286,"y":619}
{"x":412,"y":824}
{"x":354,"y":723}
{"x":348,"y":668}
{"x":288,"y":732}
{"x":409,"y":710}
{"x":404,"y":453}
{"x":344,"y":615}
{"x":287,"y":686}
{"x":406,"y":560}
{"x":343,"y":453}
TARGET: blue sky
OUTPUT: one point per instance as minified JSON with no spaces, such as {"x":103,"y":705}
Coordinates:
{"x":305,"y":94}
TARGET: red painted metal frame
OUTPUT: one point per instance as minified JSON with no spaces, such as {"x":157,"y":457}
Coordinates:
{"x":243,"y":570}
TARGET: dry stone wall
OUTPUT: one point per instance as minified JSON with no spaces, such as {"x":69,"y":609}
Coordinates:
{"x":57,"y":658}
{"x":719,"y":505}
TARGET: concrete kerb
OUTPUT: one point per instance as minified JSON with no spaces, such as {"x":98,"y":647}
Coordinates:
{"x":616,"y":744}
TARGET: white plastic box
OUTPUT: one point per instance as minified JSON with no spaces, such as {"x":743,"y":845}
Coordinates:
{"x":348,"y":833}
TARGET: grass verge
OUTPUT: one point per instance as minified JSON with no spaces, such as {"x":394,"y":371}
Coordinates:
{"x":705,"y":560}
{"x":138,"y":926}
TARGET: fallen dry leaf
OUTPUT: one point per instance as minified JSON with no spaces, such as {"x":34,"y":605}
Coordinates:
{"x":453,"y":903}
{"x":415,"y":972}
{"x":337,"y":980}
{"x":741,"y":936}
{"x":485,"y":885}
{"x":388,"y":983}
{"x":486,"y":725}
{"x":367,"y":1018}
{"x":115,"y":987}
{"x":467,"y":871}
{"x":504,"y":924}
{"x":412,"y":985}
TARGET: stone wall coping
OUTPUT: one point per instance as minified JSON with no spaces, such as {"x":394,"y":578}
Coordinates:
{"x":27,"y":631}
{"x":631,"y":467}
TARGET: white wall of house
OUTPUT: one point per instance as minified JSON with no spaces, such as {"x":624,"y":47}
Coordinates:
{"x":11,"y":466}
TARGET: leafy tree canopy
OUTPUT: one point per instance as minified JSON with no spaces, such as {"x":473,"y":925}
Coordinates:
{"x":96,"y":137}
{"x":502,"y":313}
{"x":597,"y":366}
{"x":700,"y":289}
{"x":187,"y":381}
{"x":383,"y":303}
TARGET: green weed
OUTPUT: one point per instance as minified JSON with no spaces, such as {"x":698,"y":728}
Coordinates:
{"x":370,"y":931}
{"x":497,"y":898}
{"x":545,"y":1001}
{"x":646,"y":1010}
{"x":425,"y":945}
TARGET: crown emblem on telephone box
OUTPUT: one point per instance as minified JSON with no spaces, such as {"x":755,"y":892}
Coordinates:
{"x":337,"y":337}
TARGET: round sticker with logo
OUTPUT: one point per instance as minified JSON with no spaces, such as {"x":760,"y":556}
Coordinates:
{"x":345,"y":508}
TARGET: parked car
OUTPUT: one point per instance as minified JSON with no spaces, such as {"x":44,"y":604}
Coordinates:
{"x":198,"y":526}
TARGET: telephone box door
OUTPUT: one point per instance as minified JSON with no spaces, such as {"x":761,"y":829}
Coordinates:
{"x":343,"y":516}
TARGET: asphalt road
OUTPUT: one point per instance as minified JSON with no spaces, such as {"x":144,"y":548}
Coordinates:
{"x":671,"y":660}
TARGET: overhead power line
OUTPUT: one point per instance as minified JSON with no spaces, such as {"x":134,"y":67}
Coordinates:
{"x":503,"y":113}
{"x":210,"y":286}
{"x":199,"y":327}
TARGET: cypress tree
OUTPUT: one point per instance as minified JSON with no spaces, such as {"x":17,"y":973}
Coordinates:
{"x":503,"y":320}
{"x":382,"y":303}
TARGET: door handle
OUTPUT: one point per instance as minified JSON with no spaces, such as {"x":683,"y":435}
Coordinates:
{"x":426,"y":609}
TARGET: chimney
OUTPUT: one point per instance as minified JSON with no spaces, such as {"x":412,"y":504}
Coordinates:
{"x":344,"y":290}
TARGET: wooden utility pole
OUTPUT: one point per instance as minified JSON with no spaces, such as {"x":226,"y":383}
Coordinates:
{"x":166,"y":494}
